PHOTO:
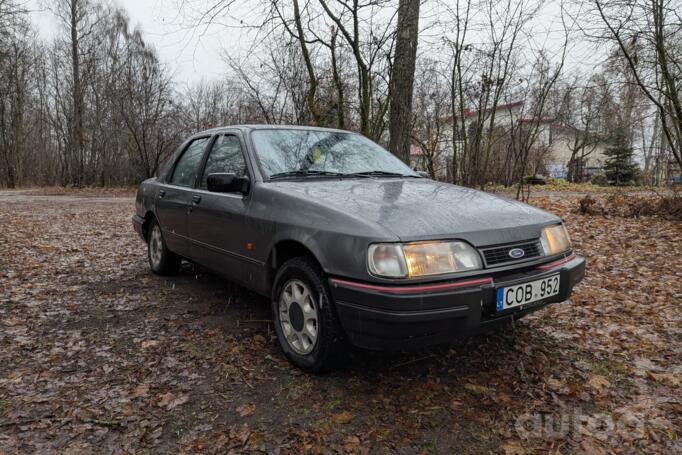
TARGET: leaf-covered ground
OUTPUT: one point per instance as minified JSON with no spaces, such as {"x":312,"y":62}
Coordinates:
{"x":97,"y":355}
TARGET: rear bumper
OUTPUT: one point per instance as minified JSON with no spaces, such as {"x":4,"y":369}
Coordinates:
{"x":138,"y":225}
{"x":403,"y":317}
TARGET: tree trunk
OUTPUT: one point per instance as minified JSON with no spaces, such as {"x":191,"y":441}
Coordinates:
{"x":77,"y":141}
{"x":402,"y":78}
{"x":312,"y":78}
{"x":338,"y":83}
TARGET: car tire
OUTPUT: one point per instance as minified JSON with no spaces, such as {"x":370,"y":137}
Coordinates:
{"x":162,"y":261}
{"x":293,"y":318}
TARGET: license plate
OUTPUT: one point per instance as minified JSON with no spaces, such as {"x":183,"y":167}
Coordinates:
{"x":521,"y":294}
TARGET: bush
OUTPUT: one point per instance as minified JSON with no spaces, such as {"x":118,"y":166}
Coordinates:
{"x":534,"y":180}
{"x":557,"y":182}
{"x":664,"y":206}
{"x":599,"y":179}
{"x":588,"y":206}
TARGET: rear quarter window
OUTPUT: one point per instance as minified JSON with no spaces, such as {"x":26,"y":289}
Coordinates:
{"x":186,"y":168}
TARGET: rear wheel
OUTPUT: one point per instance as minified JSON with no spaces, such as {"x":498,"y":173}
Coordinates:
{"x":162,"y":261}
{"x":305,"y":318}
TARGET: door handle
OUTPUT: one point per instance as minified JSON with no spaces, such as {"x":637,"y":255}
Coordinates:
{"x":196,"y":199}
{"x":162,"y":193}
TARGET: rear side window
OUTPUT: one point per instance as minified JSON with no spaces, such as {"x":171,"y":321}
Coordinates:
{"x":225,"y":157}
{"x":188,"y":165}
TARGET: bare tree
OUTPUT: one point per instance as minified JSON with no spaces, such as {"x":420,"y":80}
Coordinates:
{"x":402,"y":78}
{"x":533,"y":121}
{"x":74,"y":16}
{"x":368,"y":55}
{"x":297,"y":32}
{"x":649,"y":36}
{"x":431,"y":122}
{"x":146,"y":107}
{"x":583,"y":122}
{"x":15,"y":68}
{"x":480,"y":79}
{"x":458,"y":46}
{"x":10,"y":12}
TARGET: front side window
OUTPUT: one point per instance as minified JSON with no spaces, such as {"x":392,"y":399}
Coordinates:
{"x":282,"y":151}
{"x":225,"y":157}
{"x":188,"y":165}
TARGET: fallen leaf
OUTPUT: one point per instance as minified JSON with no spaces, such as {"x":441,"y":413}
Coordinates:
{"x":590,"y":448}
{"x":668,"y":378}
{"x":351,"y":444}
{"x":140,"y":391}
{"x":554,"y":384}
{"x":477,"y":389}
{"x":165,"y":399}
{"x":455,"y":404}
{"x":598,"y":382}
{"x":246,"y":410}
{"x":504,"y":397}
{"x":182,"y":399}
{"x":149,"y":344}
{"x":512,"y":448}
{"x":170,"y":401}
{"x":342,"y":417}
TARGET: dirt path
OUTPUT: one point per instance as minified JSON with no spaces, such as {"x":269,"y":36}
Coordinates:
{"x":97,"y":355}
{"x":36,"y":196}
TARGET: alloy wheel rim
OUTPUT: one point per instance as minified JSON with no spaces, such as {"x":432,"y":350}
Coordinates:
{"x":298,"y":316}
{"x":155,"y":246}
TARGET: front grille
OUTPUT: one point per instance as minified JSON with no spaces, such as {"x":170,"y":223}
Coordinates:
{"x":499,"y":255}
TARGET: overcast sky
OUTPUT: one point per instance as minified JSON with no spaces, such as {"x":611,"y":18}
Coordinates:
{"x":192,"y":53}
{"x":189,"y":55}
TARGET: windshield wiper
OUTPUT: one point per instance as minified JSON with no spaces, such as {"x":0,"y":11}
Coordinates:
{"x":304,"y":173}
{"x":379,"y":174}
{"x":317,"y":173}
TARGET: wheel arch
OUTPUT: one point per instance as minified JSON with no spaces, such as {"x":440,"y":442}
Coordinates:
{"x":149,"y":216}
{"x":284,"y":250}
{"x":287,"y":249}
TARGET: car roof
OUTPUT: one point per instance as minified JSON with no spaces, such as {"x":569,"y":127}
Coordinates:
{"x":253,"y":127}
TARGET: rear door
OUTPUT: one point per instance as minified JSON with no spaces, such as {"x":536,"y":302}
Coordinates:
{"x":217,"y":221}
{"x":174,"y":197}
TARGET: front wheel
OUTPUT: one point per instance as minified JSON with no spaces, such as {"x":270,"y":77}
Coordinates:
{"x":162,"y":261}
{"x":305,"y":319}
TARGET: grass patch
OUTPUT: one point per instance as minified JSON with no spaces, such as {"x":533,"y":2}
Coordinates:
{"x":610,"y":368}
{"x":331,"y":404}
{"x":298,"y":389}
{"x":201,"y":351}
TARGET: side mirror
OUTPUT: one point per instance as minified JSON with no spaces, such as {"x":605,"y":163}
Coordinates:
{"x":424,"y":174}
{"x":227,"y":183}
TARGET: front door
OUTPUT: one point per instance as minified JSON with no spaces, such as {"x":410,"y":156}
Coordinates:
{"x":216,"y":221}
{"x":173,"y":199}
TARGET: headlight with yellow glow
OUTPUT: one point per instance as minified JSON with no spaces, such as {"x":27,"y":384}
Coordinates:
{"x":412,"y":260}
{"x":555,"y":240}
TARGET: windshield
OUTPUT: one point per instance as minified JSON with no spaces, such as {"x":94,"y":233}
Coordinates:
{"x":298,"y":153}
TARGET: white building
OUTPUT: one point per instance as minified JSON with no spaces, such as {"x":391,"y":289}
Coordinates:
{"x":556,"y":142}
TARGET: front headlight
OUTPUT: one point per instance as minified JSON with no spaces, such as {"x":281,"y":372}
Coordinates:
{"x":387,"y":260}
{"x":555,"y":240}
{"x":395,"y":260}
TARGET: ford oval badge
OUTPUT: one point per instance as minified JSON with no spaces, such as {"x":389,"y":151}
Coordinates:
{"x":516,"y":253}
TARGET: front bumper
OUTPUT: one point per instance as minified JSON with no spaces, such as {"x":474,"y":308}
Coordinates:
{"x":402,"y":317}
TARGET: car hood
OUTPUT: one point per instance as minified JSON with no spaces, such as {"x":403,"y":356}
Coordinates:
{"x":422,"y":209}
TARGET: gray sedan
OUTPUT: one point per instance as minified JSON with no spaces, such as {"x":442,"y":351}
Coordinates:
{"x":349,"y":243}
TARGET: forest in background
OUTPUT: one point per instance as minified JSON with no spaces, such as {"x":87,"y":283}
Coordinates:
{"x":96,"y":106}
